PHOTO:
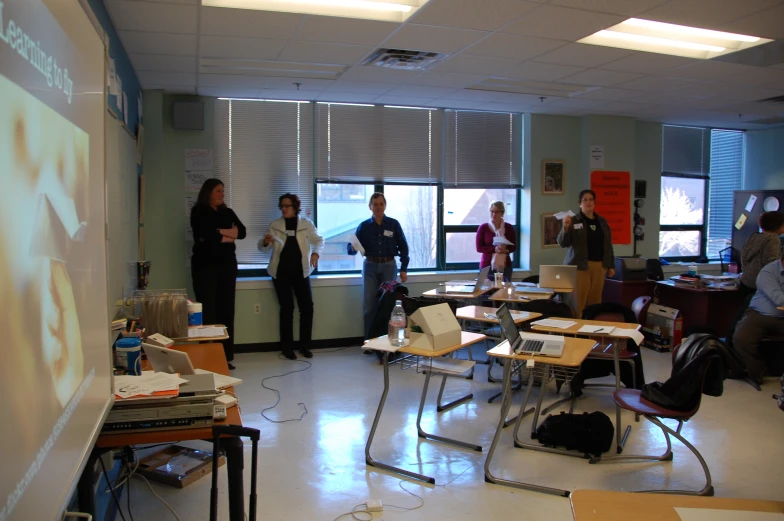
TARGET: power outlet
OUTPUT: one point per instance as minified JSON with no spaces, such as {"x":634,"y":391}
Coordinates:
{"x":257,"y":309}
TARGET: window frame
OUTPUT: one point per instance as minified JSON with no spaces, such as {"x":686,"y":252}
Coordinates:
{"x":702,"y":228}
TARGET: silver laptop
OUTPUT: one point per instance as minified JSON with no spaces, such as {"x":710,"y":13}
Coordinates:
{"x":558,"y":276}
{"x":470,"y":288}
{"x":528,"y":343}
{"x":165,"y":360}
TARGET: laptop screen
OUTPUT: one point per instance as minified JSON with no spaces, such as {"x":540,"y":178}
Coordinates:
{"x":508,"y":325}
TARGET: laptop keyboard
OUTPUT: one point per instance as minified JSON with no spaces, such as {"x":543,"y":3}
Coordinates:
{"x":532,"y":346}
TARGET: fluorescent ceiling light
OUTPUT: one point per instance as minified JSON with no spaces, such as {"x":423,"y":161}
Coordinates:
{"x":679,"y":40}
{"x":390,"y":11}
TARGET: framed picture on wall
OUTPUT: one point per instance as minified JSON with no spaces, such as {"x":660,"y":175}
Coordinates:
{"x":551,"y":227}
{"x":553,"y":178}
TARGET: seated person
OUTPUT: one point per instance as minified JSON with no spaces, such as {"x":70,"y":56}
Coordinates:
{"x":763,"y":319}
{"x":760,"y":249}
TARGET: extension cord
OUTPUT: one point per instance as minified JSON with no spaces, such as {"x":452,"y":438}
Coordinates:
{"x":374,"y":505}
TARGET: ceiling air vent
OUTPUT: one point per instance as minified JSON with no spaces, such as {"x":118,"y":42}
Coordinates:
{"x":404,"y":60}
{"x":774,"y":99}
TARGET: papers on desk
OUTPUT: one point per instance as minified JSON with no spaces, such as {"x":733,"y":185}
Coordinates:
{"x":550,"y":322}
{"x":561,"y":215}
{"x":502,"y":348}
{"x":380,"y":344}
{"x":710,"y":514}
{"x":206,"y":331}
{"x":149,"y":384}
{"x":450,"y":366}
{"x":221,"y":380}
{"x":596,"y":329}
{"x":629,"y":333}
{"x":502,"y":240}
{"x":356,"y":244}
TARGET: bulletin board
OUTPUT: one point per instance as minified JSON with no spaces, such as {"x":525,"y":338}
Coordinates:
{"x":613,"y":202}
{"x":747,"y":206}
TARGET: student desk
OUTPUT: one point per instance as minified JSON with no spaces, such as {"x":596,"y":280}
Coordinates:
{"x":203,"y":356}
{"x":514,"y":296}
{"x":607,"y":341}
{"x":710,"y":308}
{"x":467,"y":339}
{"x":601,"y":505}
{"x":197,"y":340}
{"x":546,"y":368}
{"x":461,"y":297}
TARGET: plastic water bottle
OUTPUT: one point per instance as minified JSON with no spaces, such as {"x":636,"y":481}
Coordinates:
{"x":397,"y":325}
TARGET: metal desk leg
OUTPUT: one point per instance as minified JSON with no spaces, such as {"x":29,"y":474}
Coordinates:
{"x":619,"y":442}
{"x":443,"y":407}
{"x":506,"y":403}
{"x":423,"y":434}
{"x":370,"y":461}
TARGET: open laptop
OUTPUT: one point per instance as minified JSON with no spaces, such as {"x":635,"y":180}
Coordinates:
{"x":558,"y":276}
{"x":165,"y":360}
{"x":528,"y":343}
{"x":470,"y":288}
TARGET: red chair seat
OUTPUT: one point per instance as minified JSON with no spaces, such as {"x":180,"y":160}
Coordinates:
{"x":632,"y":400}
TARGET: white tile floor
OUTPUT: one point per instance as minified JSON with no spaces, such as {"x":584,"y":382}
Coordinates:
{"x":315,"y":469}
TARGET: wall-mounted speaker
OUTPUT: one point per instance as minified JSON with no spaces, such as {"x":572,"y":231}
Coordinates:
{"x":188,"y":115}
{"x":639,"y":189}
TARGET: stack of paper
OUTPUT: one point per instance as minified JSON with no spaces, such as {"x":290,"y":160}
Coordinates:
{"x":502,"y":240}
{"x":629,"y":333}
{"x":596,"y":329}
{"x":206,"y":331}
{"x":221,"y":380}
{"x":148,"y":384}
{"x":558,"y":324}
{"x":356,"y":244}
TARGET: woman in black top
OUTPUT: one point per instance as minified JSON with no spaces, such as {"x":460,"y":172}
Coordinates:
{"x":214,"y":264}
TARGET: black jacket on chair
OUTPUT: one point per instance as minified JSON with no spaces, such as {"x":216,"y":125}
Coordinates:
{"x":386,"y":303}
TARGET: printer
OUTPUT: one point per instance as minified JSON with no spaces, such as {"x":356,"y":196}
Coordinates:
{"x":630,"y":269}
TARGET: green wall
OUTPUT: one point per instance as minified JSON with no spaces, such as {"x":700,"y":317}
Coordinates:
{"x":764,"y":161}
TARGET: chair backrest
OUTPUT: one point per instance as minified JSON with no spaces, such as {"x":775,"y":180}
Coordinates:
{"x":548,"y":308}
{"x":640,"y":308}
{"x":611,"y":311}
{"x":532,"y":278}
{"x":655,"y":271}
{"x":703,"y":377}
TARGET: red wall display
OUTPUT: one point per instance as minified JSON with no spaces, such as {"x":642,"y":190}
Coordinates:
{"x":613,"y":202}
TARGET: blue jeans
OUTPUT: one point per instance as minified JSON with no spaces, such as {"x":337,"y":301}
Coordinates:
{"x":373,"y":275}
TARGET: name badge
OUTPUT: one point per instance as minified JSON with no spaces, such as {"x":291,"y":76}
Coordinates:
{"x":388,"y":233}
{"x":291,"y":233}
{"x":578,"y":226}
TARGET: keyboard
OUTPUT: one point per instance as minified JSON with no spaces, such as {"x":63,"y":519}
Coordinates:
{"x":532,"y":346}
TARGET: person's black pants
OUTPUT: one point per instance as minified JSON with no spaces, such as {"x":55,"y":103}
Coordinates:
{"x":215,"y":286}
{"x":288,"y":287}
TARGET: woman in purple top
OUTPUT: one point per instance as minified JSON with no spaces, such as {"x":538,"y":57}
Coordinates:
{"x":495,"y":231}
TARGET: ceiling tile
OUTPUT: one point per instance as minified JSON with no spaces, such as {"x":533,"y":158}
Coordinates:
{"x":276,"y":94}
{"x":729,"y":92}
{"x":378,"y":74}
{"x":766,"y":24}
{"x":361,"y":87}
{"x":231,"y":80}
{"x":346,"y":97}
{"x":407,"y":101}
{"x":562,"y":23}
{"x":244,"y":48}
{"x":612,"y":94}
{"x":502,"y":107}
{"x":707,"y":104}
{"x":153,"y":17}
{"x":513,"y":47}
{"x":350,"y":31}
{"x":436,"y":39}
{"x":475,"y":65}
{"x":655,"y":84}
{"x":704,"y":70}
{"x":708,"y":14}
{"x":248,"y":22}
{"x":487,"y":15}
{"x":420,"y":91}
{"x":229,"y":92}
{"x":447,"y":79}
{"x":136,"y":42}
{"x":621,"y":7}
{"x":583,"y":55}
{"x":541,"y":71}
{"x":457,"y":104}
{"x":600,"y":78}
{"x":529,"y":99}
{"x":305,"y":84}
{"x":476,"y":95}
{"x":171,"y":89}
{"x":167,"y":78}
{"x":331,"y":53}
{"x":668,"y":99}
{"x":164,"y":63}
{"x":648,"y":63}
{"x":577,"y":103}
{"x":748,"y":75}
{"x":621,"y":107}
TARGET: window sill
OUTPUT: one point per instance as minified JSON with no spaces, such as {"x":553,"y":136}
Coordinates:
{"x":355,"y":279}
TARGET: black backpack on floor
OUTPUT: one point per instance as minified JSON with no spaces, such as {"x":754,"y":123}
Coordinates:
{"x":590,"y":433}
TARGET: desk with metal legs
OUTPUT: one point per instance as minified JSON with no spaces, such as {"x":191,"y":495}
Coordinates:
{"x":467,"y":339}
{"x":546,"y":368}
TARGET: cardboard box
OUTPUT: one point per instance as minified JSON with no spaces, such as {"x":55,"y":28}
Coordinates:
{"x":159,"y":340}
{"x":177,"y":466}
{"x":440,"y":328}
{"x":663,"y":329}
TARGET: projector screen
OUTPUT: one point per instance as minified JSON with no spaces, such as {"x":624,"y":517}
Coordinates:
{"x":55,"y":370}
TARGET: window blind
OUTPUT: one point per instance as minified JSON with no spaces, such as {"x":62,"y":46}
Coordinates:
{"x":263,"y":150}
{"x":482,"y":149}
{"x":376,"y":144}
{"x":684,"y":150}
{"x":726,"y":168}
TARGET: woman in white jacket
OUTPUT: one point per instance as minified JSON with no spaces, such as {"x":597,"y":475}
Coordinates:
{"x":296,"y":247}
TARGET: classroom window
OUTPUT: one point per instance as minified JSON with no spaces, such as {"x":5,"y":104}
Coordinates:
{"x":682,"y":217}
{"x":726,"y":171}
{"x":340,"y":209}
{"x":416,"y":209}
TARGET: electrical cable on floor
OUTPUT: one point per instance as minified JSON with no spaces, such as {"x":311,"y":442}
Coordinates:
{"x":277,"y":392}
{"x":128,"y":497}
{"x":114,"y":495}
{"x":405,"y":509}
{"x":167,"y":505}
{"x":355,"y":511}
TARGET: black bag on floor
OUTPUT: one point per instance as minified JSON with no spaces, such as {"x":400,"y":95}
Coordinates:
{"x":590,"y":433}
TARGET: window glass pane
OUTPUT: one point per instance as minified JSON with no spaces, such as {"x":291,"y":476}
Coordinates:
{"x":726,"y":170}
{"x":340,"y":209}
{"x":461,"y":247}
{"x":680,"y":243}
{"x":682,"y":201}
{"x":415,"y":208}
{"x":472,"y":206}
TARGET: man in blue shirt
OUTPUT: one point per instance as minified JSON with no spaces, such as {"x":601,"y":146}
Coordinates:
{"x":763,"y":319}
{"x":382,"y":239}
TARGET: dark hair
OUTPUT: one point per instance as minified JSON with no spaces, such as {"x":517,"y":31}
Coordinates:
{"x":375,"y":196}
{"x":294,"y":200}
{"x":771,"y":221}
{"x":580,"y":199}
{"x":206,"y":190}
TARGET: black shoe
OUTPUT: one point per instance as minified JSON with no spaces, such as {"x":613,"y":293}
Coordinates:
{"x":290,"y":355}
{"x":306,"y":353}
{"x":231,"y":366}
